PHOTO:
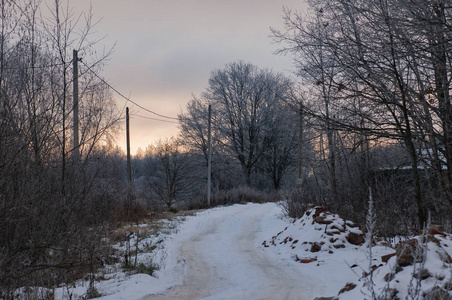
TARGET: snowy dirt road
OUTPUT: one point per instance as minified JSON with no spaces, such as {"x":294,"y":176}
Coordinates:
{"x":222,"y":258}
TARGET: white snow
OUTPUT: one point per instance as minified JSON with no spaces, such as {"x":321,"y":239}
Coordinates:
{"x":220,"y":253}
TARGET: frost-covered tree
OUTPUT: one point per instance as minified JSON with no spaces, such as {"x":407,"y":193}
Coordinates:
{"x":47,"y":202}
{"x":385,"y":67}
{"x":246,"y":102}
{"x":171,"y":172}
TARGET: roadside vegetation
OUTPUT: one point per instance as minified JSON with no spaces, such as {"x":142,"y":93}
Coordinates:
{"x":369,"y":113}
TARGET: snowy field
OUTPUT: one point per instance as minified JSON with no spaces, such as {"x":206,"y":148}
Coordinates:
{"x":253,"y":252}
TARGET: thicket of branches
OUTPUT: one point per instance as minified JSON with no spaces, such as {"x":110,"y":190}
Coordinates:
{"x":171,"y":175}
{"x":254,"y":139}
{"x":253,"y":128}
{"x":376,"y":77}
{"x":372,"y":110}
{"x":54,"y":209}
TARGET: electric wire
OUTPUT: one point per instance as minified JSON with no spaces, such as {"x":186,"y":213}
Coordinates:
{"x":150,"y":118}
{"x":127,"y":98}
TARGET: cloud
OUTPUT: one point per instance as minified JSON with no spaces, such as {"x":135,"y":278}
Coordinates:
{"x":166,"y":49}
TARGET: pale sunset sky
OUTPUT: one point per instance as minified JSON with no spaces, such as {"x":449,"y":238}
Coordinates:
{"x":166,"y":49}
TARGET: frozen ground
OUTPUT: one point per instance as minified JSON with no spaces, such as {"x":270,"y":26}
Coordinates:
{"x":224,"y":259}
{"x":221,"y":254}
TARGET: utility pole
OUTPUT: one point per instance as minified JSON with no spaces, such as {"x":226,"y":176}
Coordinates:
{"x":209,"y":156}
{"x":76,"y":155}
{"x":300,"y":143}
{"x":129,"y":172}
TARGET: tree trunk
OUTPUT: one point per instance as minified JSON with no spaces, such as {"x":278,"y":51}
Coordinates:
{"x":439,"y":61}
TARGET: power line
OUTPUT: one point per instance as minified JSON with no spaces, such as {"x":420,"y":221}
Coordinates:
{"x":150,"y":118}
{"x":126,"y":98}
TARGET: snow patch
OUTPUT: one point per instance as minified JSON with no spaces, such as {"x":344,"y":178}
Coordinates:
{"x":333,"y":249}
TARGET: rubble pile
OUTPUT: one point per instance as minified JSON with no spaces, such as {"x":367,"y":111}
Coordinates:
{"x":317,"y":231}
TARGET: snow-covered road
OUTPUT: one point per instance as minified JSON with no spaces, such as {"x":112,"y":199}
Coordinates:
{"x":219,"y":256}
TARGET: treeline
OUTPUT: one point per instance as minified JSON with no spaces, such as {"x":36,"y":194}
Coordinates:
{"x":169,"y":175}
{"x":254,"y":138}
{"x":376,"y":82}
{"x":55,"y":206}
{"x":59,"y":201}
{"x":371,"y":109}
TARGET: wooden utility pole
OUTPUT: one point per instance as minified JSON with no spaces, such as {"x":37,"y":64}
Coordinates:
{"x":129,"y":172}
{"x":76,"y":155}
{"x":300,"y":143}
{"x":209,"y":157}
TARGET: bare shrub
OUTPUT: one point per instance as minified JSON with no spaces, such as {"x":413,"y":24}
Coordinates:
{"x":296,"y":204}
{"x":242,"y":194}
{"x":301,"y":197}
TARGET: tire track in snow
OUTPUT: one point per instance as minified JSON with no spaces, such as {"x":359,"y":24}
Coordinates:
{"x":224,"y":261}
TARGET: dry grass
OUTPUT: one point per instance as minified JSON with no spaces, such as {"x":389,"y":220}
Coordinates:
{"x":241,"y":194}
{"x":148,"y":223}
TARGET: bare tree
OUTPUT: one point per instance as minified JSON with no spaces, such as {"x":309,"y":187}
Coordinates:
{"x":244,"y":99}
{"x":282,"y":139}
{"x":46,"y":207}
{"x":382,"y":67}
{"x":171,"y":175}
{"x":194,"y":127}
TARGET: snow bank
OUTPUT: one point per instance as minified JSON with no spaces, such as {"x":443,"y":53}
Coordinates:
{"x":420,"y":268}
{"x":333,"y":248}
{"x":317,"y":231}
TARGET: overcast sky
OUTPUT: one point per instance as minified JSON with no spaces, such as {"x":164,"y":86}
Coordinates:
{"x":166,"y":49}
